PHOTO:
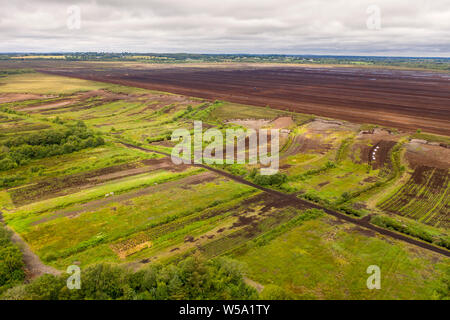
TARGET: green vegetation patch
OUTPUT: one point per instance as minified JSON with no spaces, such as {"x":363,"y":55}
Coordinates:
{"x":314,"y":259}
{"x":190,"y":279}
{"x":19,"y":150}
{"x":46,"y":84}
{"x":74,"y":228}
{"x":11,"y":263}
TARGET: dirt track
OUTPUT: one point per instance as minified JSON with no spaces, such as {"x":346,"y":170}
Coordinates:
{"x":34,"y":267}
{"x":403,"y":99}
{"x":364,"y":222}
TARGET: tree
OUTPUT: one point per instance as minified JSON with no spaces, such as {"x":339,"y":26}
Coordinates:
{"x":103,"y":281}
{"x":192,"y":278}
{"x":11,"y":263}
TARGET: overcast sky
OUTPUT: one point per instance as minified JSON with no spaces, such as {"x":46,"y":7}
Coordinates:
{"x":350,"y":27}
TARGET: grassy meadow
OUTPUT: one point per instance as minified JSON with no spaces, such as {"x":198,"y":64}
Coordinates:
{"x":311,"y":260}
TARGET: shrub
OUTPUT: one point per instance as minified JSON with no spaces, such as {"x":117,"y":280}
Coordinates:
{"x":11,"y":264}
{"x":389,"y":223}
{"x":328,"y":165}
{"x":345,"y":196}
{"x":351,"y":211}
{"x":7,"y":164}
{"x":314,"y":197}
{"x":276,"y":179}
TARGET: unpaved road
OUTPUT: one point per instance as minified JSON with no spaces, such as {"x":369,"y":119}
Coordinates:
{"x":364,"y":222}
{"x":33,"y":265}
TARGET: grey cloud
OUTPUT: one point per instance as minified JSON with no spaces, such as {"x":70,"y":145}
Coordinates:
{"x":415,"y":27}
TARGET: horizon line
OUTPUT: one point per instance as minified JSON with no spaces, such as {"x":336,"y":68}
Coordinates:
{"x":218,"y":54}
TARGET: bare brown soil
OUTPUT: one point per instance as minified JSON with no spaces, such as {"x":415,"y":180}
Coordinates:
{"x":164,"y":143}
{"x":373,"y":146}
{"x":94,"y":98}
{"x":171,"y":101}
{"x":34,"y":267}
{"x":254,"y":216}
{"x":255,"y":124}
{"x":378,"y":134}
{"x":313,"y":140}
{"x":282,"y":123}
{"x":322,"y":126}
{"x":378,"y":155}
{"x":366,"y":232}
{"x":74,"y":102}
{"x":302,"y":144}
{"x":403,"y":99}
{"x":53,"y":105}
{"x":323,"y":184}
{"x":369,"y":180}
{"x":423,"y":154}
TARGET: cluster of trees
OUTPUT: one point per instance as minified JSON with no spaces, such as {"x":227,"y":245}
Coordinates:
{"x":306,"y":175}
{"x":11,"y":263}
{"x":276,"y":179}
{"x":19,"y":150}
{"x":192,"y":278}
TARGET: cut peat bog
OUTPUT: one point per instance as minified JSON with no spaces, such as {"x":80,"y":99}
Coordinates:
{"x":87,"y":177}
{"x":403,"y":99}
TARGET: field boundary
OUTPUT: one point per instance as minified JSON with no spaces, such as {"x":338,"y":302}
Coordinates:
{"x":365,"y":222}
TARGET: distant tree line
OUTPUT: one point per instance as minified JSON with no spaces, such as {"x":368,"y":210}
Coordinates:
{"x":438,"y":63}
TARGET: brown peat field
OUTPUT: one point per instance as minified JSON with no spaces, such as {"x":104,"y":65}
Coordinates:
{"x":404,"y":99}
{"x":85,"y":176}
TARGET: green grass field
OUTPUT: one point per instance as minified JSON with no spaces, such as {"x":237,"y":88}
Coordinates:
{"x":38,"y":83}
{"x":312,"y":260}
